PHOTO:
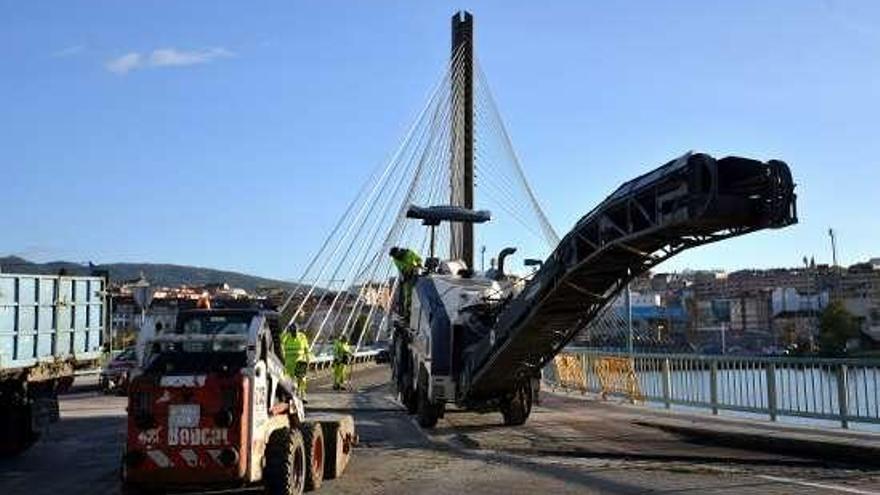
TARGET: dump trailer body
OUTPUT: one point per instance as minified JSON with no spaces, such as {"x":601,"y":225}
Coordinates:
{"x":50,"y":325}
{"x":687,"y":202}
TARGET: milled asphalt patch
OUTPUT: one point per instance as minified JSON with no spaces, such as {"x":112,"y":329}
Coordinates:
{"x":467,"y":442}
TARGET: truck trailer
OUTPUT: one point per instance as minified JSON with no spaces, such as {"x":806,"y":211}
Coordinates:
{"x":50,"y":326}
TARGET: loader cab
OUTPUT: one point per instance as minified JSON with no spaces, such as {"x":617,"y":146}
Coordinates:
{"x":202,"y":341}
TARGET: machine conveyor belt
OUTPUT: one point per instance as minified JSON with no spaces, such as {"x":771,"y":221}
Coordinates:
{"x":690,"y":201}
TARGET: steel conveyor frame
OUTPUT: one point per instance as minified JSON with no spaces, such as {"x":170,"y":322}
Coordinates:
{"x":688,"y":202}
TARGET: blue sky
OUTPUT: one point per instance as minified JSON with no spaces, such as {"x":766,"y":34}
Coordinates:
{"x":232,"y":135}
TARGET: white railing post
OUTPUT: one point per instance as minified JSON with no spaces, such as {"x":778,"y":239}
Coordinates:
{"x":667,"y":384}
{"x":843,"y":395}
{"x":713,"y":386}
{"x":584,"y":368}
{"x":771,"y":390}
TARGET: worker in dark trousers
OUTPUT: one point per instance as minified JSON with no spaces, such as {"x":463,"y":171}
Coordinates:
{"x":408,"y":265}
{"x":342,"y":356}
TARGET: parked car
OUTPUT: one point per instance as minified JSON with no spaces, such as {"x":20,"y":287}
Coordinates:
{"x":383,"y":356}
{"x":116,"y":373}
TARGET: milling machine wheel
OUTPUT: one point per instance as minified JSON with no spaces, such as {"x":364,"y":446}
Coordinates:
{"x":427,"y":412}
{"x":408,"y":396}
{"x":517,"y":407}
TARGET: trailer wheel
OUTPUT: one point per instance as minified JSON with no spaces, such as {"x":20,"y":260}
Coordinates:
{"x":16,"y":428}
{"x":516,"y":408}
{"x":285,"y":472}
{"x":313,"y":439}
{"x":130,"y":489}
{"x":427,"y":412}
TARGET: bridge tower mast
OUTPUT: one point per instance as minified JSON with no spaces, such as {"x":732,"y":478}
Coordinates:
{"x":462,"y":114}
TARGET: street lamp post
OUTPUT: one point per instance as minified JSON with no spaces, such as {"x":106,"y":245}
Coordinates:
{"x":143,"y":296}
{"x":629,"y":320}
{"x":110,"y":319}
{"x":723,"y":338}
{"x":833,"y":247}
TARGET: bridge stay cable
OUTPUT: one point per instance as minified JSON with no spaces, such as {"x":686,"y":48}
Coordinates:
{"x":425,"y":162}
{"x":431,"y":166}
{"x":438,"y":166}
{"x":379,"y":179}
{"x":376,"y":260}
{"x":419,"y":155}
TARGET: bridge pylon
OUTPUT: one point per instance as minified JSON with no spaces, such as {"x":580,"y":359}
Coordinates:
{"x":461,"y":166}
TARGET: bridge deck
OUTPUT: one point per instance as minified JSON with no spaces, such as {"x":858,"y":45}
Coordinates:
{"x":568,"y":446}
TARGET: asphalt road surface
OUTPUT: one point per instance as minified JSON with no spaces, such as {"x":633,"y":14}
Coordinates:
{"x":564,"y":448}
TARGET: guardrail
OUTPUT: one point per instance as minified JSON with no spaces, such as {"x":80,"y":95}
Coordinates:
{"x":326,"y":360}
{"x":842,"y":390}
{"x":318,"y":363}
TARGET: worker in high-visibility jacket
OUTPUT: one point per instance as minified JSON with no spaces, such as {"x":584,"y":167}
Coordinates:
{"x":342,"y":356}
{"x":408,"y":264}
{"x":295,"y":344}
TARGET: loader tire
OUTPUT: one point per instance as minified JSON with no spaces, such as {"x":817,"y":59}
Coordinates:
{"x":285,"y":472}
{"x":313,"y":440}
{"x":516,"y":408}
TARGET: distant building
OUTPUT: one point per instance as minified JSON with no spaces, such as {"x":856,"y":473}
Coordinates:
{"x":656,"y":326}
{"x":796,"y":316}
{"x":755,"y":310}
{"x":126,"y":313}
{"x":860,"y":293}
{"x":668,"y":282}
{"x":375,"y":294}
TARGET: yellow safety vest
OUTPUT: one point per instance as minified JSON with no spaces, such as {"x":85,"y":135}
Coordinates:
{"x":408,"y":262}
{"x":296,"y":347}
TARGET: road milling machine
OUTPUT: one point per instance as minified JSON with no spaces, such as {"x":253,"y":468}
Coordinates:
{"x":480,"y":340}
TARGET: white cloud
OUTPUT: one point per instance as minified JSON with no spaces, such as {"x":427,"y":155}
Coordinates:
{"x":125,"y":63}
{"x":172,"y":57}
{"x":165,"y":57}
{"x":69,"y":51}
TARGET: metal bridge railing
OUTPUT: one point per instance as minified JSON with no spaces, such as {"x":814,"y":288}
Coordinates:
{"x":842,"y":390}
{"x":323,"y":361}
